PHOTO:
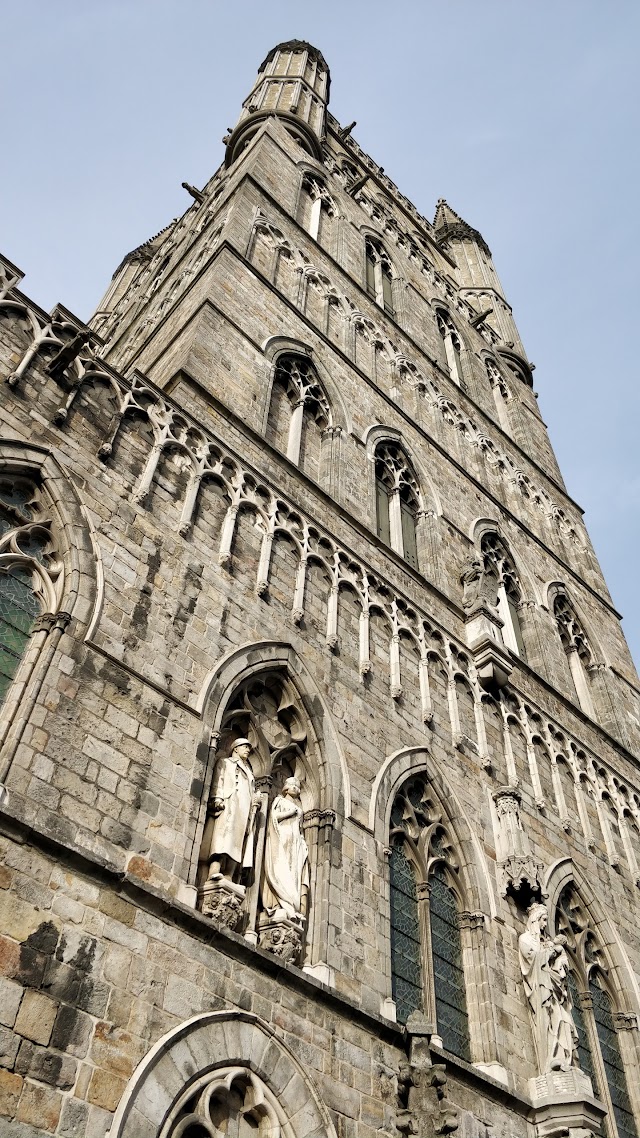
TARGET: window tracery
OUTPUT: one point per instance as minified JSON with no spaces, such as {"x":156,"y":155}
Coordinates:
{"x":379,"y":275}
{"x":306,"y":414}
{"x":594,"y":1013}
{"x":31,"y":575}
{"x":397,"y":501}
{"x":426,"y":944}
{"x":496,"y":555}
{"x":228,"y":1100}
{"x":577,"y":648}
{"x":452,"y":347}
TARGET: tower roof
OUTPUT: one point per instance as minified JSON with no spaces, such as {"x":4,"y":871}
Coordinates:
{"x":448,"y":224}
{"x":299,"y":46}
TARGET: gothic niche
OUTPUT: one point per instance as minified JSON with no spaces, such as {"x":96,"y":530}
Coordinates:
{"x":230,"y":1101}
{"x":254,"y":861}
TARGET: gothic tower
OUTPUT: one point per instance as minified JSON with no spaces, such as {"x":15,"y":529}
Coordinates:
{"x":319,"y":736}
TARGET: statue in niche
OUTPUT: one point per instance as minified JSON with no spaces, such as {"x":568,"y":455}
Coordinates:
{"x":254,"y":863}
{"x":479,"y":585}
{"x":286,"y":868}
{"x":544,"y":964}
{"x":232,"y":820}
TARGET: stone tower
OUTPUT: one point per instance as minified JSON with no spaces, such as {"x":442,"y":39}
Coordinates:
{"x":319,"y":741}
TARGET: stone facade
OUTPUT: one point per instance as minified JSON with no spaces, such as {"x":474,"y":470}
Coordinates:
{"x":292,"y":483}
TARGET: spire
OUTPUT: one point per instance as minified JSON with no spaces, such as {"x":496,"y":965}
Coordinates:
{"x":293,"y":84}
{"x":476,"y":275}
{"x":448,"y":226}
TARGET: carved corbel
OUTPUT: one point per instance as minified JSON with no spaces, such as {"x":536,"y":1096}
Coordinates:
{"x":520,"y":874}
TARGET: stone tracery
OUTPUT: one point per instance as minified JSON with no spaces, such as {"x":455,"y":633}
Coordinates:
{"x":243,"y":489}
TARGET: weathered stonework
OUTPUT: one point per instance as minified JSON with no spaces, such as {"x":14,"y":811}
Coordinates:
{"x":366,"y":561}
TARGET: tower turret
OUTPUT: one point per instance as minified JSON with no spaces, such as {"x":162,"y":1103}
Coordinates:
{"x":477,"y":277}
{"x":293,"y":83}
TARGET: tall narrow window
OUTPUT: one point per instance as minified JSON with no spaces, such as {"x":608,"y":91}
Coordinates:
{"x":577,"y":648}
{"x":494,"y":553}
{"x":593,"y":1013}
{"x":448,"y":973}
{"x":299,"y":412}
{"x":406,"y":942}
{"x":452,"y":347}
{"x":397,"y":502}
{"x":28,"y":569}
{"x":379,"y":275}
{"x":426,"y":947}
{"x":501,"y":394}
{"x":316,"y":206}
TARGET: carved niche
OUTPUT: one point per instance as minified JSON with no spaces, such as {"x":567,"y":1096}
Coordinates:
{"x":254,"y":868}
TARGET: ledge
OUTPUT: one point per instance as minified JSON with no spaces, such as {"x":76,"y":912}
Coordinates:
{"x":168,"y":909}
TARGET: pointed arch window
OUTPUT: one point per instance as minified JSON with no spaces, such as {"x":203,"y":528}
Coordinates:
{"x":299,"y":412}
{"x":379,"y":275}
{"x":397,"y":502}
{"x":30,"y":573}
{"x":495,"y":553}
{"x":599,"y":1051}
{"x":426,"y":946}
{"x":452,"y":347}
{"x":316,"y":206}
{"x":501,"y":394}
{"x":577,"y":648}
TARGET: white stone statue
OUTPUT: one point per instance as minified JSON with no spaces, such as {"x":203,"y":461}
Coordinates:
{"x":544,"y":964}
{"x":286,"y":861}
{"x":232,"y":820}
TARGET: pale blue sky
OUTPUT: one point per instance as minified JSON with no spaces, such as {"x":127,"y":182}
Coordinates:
{"x":522,"y":113}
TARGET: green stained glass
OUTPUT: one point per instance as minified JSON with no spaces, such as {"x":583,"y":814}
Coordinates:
{"x":448,"y":975}
{"x":585,"y":1057}
{"x":612,"y":1060}
{"x":406,"y":956}
{"x":18,"y":611}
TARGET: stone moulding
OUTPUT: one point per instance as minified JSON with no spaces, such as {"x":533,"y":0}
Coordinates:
{"x":176,"y":430}
{"x":200,"y":1045}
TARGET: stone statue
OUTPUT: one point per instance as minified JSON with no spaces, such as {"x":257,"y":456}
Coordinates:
{"x":234,"y":806}
{"x":544,"y":964}
{"x":479,"y":585}
{"x":286,"y":861}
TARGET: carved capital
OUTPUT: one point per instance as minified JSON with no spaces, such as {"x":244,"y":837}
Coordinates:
{"x":625,"y":1021}
{"x":468,"y":920}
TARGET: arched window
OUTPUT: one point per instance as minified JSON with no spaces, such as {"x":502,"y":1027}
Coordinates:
{"x":501,"y":393}
{"x":494,"y":553}
{"x":379,"y":275}
{"x":316,"y":205}
{"x":426,"y":946}
{"x":594,"y":1014}
{"x":578,"y":650}
{"x":452,"y":347}
{"x":299,"y":412}
{"x":30,"y":573}
{"x":397,"y":502}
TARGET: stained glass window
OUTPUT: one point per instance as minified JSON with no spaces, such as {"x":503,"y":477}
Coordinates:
{"x":448,"y":975}
{"x":18,"y":604}
{"x":406,"y":954}
{"x":585,"y":1058}
{"x":612,"y":1061}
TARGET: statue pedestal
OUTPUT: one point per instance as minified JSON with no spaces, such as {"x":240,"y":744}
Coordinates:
{"x":281,"y":934}
{"x":222,"y":900}
{"x":563,"y":1103}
